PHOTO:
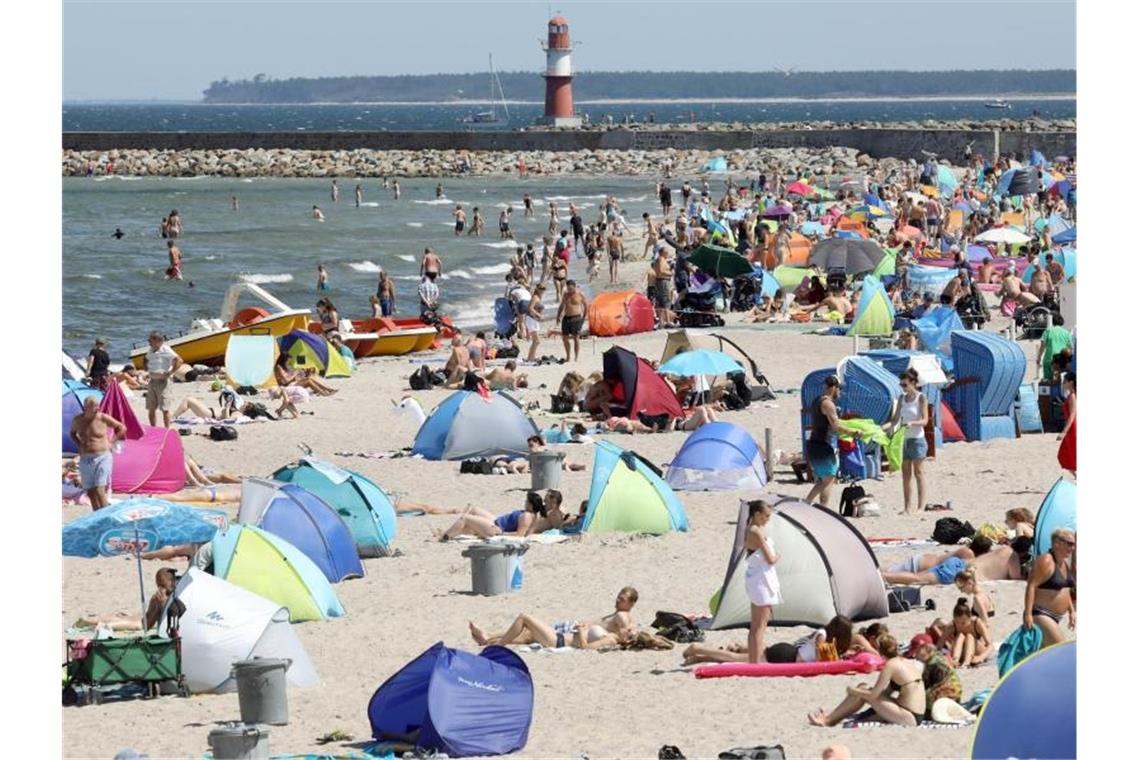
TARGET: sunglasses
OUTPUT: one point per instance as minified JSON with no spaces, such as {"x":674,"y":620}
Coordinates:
{"x":1066,"y":541}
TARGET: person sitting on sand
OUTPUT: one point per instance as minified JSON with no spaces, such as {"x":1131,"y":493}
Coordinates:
{"x":455,"y":370}
{"x":165,"y":580}
{"x":897,"y":696}
{"x":130,"y":379}
{"x":606,"y":631}
{"x":538,"y":515}
{"x":939,"y":677}
{"x":303,"y":378}
{"x":971,"y":644}
{"x":835,"y":307}
{"x":537,"y":443}
{"x":505,"y":378}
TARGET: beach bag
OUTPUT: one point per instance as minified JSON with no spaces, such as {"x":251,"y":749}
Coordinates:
{"x":951,"y":530}
{"x":438,"y":377}
{"x":848,"y":499}
{"x":560,"y":404}
{"x":480,"y":466}
{"x":507,"y":352}
{"x":223,"y":433}
{"x":774,"y":752}
{"x":677,"y":627}
{"x":825,"y":651}
{"x":421,"y":379}
{"x":903,"y":599}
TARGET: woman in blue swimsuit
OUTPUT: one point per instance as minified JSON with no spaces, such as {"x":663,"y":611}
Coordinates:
{"x":520,"y":522}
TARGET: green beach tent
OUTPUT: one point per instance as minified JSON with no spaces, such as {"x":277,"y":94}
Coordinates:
{"x":791,"y":277}
{"x":628,"y":495}
{"x":875,"y":315}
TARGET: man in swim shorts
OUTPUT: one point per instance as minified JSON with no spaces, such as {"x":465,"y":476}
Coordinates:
{"x":933,"y":569}
{"x":89,"y":431}
{"x":819,"y":452}
{"x":571,"y":314}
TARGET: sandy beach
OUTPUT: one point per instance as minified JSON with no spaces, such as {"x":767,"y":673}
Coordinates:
{"x":599,"y":705}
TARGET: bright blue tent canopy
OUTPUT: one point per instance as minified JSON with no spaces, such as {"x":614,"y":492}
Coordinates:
{"x":1057,"y":510}
{"x":1032,"y":712}
{"x":303,"y":519}
{"x":1037,"y":158}
{"x":719,"y":456}
{"x":457,"y":703}
{"x":934,"y":330}
{"x":1067,"y":236}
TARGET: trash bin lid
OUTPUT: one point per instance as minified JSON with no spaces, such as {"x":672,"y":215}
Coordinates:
{"x":262,"y":663}
{"x":487,"y":549}
{"x":547,"y":455}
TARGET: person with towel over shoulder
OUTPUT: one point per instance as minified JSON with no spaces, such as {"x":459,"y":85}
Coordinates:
{"x":760,"y":580}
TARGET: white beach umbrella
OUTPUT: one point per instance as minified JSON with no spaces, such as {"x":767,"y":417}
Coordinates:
{"x":1003,"y":235}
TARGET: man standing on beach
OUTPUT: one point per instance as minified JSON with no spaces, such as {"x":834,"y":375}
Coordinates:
{"x":577,"y":226}
{"x":819,"y":453}
{"x":505,"y":224}
{"x":89,"y":431}
{"x":666,"y":196}
{"x":429,"y":296}
{"x":160,"y":362}
{"x":616,"y":248}
{"x":571,"y":314}
{"x":99,"y":364}
{"x":358,"y":195}
{"x":460,"y":219}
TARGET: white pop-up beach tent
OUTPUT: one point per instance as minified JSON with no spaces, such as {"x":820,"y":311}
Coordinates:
{"x":223,"y":624}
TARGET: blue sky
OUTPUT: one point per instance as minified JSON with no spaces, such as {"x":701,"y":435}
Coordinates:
{"x":173,"y":50}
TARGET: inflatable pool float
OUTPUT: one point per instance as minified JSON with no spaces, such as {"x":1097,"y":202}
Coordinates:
{"x":860,"y":663}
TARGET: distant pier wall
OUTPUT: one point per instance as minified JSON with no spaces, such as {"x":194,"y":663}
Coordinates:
{"x":877,"y":143}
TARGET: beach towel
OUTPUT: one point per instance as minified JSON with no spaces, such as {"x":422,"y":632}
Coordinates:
{"x":1017,"y":646}
{"x":895,"y":449}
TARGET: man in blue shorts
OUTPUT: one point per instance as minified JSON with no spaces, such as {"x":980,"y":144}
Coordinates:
{"x":819,"y":452}
{"x":935,"y":568}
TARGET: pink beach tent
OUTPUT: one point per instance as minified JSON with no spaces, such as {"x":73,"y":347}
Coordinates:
{"x":151,"y":460}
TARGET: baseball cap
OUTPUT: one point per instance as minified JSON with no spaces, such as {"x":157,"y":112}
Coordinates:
{"x":918,"y":641}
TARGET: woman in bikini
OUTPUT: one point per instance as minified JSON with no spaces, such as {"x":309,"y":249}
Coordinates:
{"x":972,"y":644}
{"x":538,"y":515}
{"x":1049,"y":592}
{"x":897,"y":697}
{"x":967,"y":583}
{"x":527,"y":629}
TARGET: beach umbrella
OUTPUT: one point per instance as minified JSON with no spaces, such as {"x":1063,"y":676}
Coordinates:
{"x":852,"y":256}
{"x":1006,"y":235}
{"x":720,"y":262}
{"x":778,"y":212}
{"x":929,"y":191}
{"x":700,"y":362}
{"x":1019,"y":182}
{"x":1036,"y":158}
{"x":823,"y":194}
{"x":865,"y":212}
{"x":799,"y":188}
{"x":136,"y":526}
{"x":975,"y":253}
{"x":848,"y":235}
{"x":910,"y":233}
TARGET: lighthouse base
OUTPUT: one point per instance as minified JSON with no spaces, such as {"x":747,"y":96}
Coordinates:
{"x":569,"y":122}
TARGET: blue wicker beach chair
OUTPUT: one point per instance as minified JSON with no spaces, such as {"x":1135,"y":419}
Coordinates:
{"x":988,"y":371}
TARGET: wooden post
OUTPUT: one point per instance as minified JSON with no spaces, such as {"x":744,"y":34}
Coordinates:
{"x":769,"y":453}
{"x":854,"y":344}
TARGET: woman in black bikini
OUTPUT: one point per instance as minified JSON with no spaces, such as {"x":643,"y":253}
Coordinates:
{"x":906,"y":704}
{"x":1049,"y":592}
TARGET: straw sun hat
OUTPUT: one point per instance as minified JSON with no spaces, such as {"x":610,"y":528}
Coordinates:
{"x":946,"y":710}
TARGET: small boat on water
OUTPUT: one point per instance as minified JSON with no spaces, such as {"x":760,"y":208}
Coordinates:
{"x":998,"y":103}
{"x":206,"y":341}
{"x":492,"y":118}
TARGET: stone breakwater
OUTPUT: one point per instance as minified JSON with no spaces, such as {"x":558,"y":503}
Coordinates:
{"x":1032,"y":124}
{"x":436,"y":163}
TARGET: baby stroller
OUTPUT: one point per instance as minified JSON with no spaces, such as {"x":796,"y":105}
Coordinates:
{"x":745,"y":292}
{"x":1034,"y":320}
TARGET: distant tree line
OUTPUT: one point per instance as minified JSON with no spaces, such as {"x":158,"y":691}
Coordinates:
{"x":590,"y":85}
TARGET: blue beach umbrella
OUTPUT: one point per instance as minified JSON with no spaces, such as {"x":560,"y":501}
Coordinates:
{"x":871,"y":199}
{"x":135,"y":526}
{"x":701,"y":362}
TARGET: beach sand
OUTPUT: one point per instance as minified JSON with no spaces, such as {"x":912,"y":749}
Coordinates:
{"x":615,"y":704}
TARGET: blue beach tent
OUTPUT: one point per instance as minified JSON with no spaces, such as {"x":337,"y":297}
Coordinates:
{"x":1033,"y":709}
{"x":934,"y":331}
{"x":628,"y":495}
{"x":74,"y":393}
{"x":719,"y":456}
{"x":504,"y":316}
{"x":365,"y":507}
{"x":466,"y":425}
{"x":304,"y":520}
{"x":457,"y":703}
{"x":1066,"y":236}
{"x":1057,"y":510}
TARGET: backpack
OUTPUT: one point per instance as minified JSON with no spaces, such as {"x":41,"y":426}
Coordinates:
{"x":775,"y":752}
{"x":507,"y":352}
{"x":223,"y":433}
{"x":847,"y":499}
{"x":951,"y":530}
{"x":677,"y":627}
{"x":421,"y":379}
{"x":480,"y":466}
{"x":904,"y":598}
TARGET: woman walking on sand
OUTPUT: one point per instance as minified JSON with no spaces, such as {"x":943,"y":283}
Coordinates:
{"x":912,"y":412}
{"x":760,"y":580}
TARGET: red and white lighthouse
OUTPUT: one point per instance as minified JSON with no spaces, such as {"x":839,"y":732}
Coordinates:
{"x":559,"y":110}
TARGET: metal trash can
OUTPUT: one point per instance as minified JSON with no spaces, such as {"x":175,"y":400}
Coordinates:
{"x":545,"y":469}
{"x":262,"y":693}
{"x":239,"y":741}
{"x":496,"y":566}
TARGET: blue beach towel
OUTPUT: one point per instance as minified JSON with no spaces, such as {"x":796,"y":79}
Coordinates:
{"x":1017,"y":646}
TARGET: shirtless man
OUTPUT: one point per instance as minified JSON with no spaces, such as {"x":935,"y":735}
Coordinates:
{"x":89,"y":431}
{"x":1055,"y":269}
{"x":174,"y":271}
{"x":505,"y":377}
{"x":986,"y":273}
{"x":430,"y":263}
{"x":662,"y":273}
{"x":457,"y":364}
{"x":476,"y":223}
{"x":571,"y":314}
{"x":1013,"y":289}
{"x":836,"y":300}
{"x":616,"y":248}
{"x":460,"y":219}
{"x":1041,"y":284}
{"x":318,"y":214}
{"x":477,"y":351}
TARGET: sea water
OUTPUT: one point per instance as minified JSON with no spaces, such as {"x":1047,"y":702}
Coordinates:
{"x":117,"y":288}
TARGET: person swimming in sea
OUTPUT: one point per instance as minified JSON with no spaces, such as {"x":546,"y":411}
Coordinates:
{"x":118,"y":234}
